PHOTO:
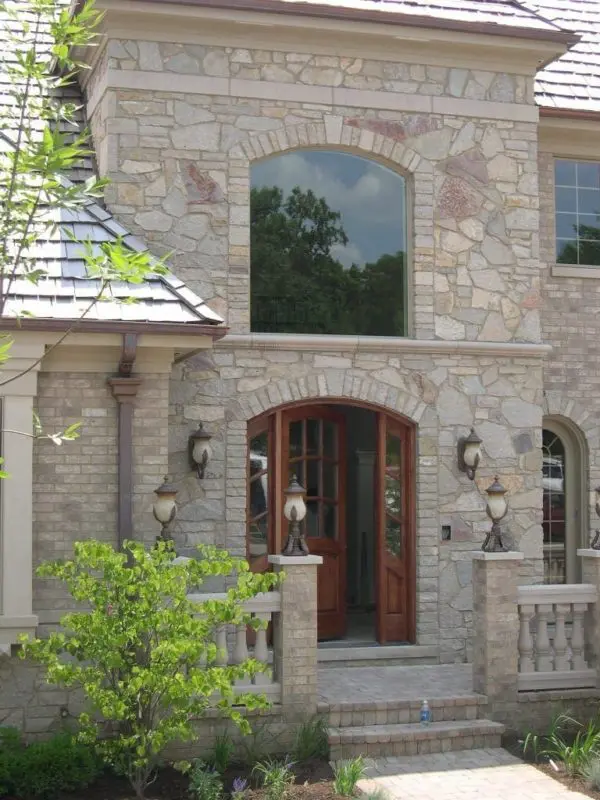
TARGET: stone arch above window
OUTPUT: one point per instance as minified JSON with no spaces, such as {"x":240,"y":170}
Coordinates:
{"x":328,"y":244}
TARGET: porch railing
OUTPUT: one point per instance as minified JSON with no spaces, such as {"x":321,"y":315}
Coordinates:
{"x":553,"y":652}
{"x":232,"y":641}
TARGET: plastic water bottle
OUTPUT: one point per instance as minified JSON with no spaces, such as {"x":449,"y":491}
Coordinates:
{"x":425,"y":715}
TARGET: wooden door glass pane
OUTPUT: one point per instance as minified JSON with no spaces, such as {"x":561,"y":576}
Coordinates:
{"x":393,"y":496}
{"x":329,"y":480}
{"x":312,"y":437}
{"x":313,"y":489}
{"x":296,"y":469}
{"x":393,"y":537}
{"x":296,"y":446}
{"x":393,"y":452}
{"x":311,"y":520}
{"x":329,"y":439}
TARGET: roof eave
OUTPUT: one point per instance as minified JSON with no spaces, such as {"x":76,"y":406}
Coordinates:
{"x":567,"y":38}
{"x":569,"y":113}
{"x":109,"y":326}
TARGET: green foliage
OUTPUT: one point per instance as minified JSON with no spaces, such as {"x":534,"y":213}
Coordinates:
{"x":205,"y":782}
{"x":276,"y":778}
{"x":312,"y":740}
{"x":568,"y":742}
{"x":298,"y":286}
{"x":222,"y":752}
{"x":45,"y":769}
{"x":347,"y":774}
{"x":138,"y":653}
{"x":592,"y":774}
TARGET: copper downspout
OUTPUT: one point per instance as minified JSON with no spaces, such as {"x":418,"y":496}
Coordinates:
{"x":124,"y":388}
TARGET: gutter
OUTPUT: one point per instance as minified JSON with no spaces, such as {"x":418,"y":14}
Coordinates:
{"x":106,"y":326}
{"x":569,"y":113}
{"x":308,"y":9}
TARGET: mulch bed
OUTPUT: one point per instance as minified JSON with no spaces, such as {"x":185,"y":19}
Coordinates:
{"x":314,"y":781}
{"x":572,"y":783}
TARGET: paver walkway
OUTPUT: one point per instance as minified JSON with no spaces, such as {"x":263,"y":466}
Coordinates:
{"x":463,"y":775}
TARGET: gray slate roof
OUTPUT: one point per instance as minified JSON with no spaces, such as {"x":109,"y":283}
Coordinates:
{"x":573,"y":81}
{"x":502,"y":13}
{"x":66,"y":291}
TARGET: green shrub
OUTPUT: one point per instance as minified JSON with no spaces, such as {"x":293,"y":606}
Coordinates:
{"x":276,"y":777}
{"x":347,"y":774}
{"x":312,"y":740}
{"x":569,"y":742}
{"x":205,"y":782}
{"x":142,"y":653}
{"x":45,"y":769}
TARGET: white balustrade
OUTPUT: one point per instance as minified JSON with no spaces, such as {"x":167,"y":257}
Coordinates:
{"x":232,"y":641}
{"x":552,"y":636}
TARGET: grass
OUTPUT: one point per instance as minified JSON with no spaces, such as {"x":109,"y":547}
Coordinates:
{"x":569,"y":742}
{"x":312,"y":740}
{"x":347,"y":774}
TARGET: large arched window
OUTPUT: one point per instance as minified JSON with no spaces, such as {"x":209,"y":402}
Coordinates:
{"x":328,"y":245}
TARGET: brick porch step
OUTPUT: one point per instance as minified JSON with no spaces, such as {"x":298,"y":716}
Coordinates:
{"x":413,"y":739}
{"x":402,"y":711}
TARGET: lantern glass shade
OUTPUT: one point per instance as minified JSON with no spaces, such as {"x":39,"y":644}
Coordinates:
{"x":294,"y":500}
{"x":163,"y":507}
{"x":471,"y":452}
{"x":202,"y":451}
{"x":496,"y":502}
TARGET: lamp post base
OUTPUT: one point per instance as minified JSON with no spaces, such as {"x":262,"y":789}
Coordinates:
{"x":296,"y":544}
{"x":493,"y":541}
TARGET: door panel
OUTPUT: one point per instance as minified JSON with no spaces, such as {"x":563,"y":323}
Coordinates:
{"x":395,"y":557}
{"x":313,"y":449}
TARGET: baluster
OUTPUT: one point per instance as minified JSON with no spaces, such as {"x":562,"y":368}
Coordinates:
{"x":561,"y":658}
{"x":261,"y":651}
{"x":222,"y":658}
{"x":240,"y":651}
{"x":577,"y":637}
{"x":525,"y":639}
{"x":543,"y":656}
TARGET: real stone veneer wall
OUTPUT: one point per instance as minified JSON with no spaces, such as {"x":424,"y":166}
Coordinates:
{"x":179,"y":159}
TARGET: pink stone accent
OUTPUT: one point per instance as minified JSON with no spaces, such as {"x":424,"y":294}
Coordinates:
{"x":457,"y":199}
{"x":411,"y":126}
{"x":532,"y":299}
{"x":470,"y":164}
{"x":200,"y":187}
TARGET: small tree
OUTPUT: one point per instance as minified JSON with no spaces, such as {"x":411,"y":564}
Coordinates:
{"x":144,"y":654}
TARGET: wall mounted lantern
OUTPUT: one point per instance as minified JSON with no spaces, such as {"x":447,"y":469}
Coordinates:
{"x":596,"y":540}
{"x":294,"y":511}
{"x":200,"y":450}
{"x":496,"y":509}
{"x":469,"y":454}
{"x":164,"y":507}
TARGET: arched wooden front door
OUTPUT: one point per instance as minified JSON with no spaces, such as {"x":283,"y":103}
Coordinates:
{"x":309,"y":441}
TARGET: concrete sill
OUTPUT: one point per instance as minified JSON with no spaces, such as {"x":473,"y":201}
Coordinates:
{"x":568,"y":271}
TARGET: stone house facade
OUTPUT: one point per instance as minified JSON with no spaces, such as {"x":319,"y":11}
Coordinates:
{"x":183,"y":99}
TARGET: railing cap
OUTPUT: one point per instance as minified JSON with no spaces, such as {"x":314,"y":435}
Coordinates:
{"x":538,"y":594}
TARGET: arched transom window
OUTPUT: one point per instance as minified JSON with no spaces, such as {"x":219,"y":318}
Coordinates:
{"x":328,"y":245}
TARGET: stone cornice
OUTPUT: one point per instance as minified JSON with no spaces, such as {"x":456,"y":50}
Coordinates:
{"x":380,"y":344}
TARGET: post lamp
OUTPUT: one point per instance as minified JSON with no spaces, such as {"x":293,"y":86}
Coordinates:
{"x":294,"y":511}
{"x":469,"y":454}
{"x":200,"y":450}
{"x":596,"y":540}
{"x":164,"y":507}
{"x":496,"y":509}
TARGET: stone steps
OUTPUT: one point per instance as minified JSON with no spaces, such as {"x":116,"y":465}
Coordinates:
{"x":329,"y":656}
{"x":413,"y":739}
{"x":402,"y":711}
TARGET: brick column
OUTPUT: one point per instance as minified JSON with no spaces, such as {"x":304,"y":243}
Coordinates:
{"x":295,"y":635}
{"x":496,"y":626}
{"x":590,"y":573}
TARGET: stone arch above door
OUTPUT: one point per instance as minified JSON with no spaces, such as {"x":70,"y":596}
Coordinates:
{"x":329,"y":385}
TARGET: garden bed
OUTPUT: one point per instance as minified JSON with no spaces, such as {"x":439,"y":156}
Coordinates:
{"x":314,"y":781}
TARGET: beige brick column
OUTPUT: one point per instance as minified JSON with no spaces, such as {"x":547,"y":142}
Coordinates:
{"x":496,"y":626}
{"x":295,"y":634}
{"x":590,"y":573}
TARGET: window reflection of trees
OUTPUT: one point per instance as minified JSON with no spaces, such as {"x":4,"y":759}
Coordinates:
{"x":554,"y":527}
{"x":299,"y":284}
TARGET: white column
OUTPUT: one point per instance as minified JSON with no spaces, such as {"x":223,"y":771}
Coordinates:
{"x":16,"y":493}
